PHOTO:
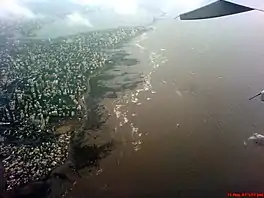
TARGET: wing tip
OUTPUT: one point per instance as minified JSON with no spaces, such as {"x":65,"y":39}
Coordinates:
{"x":215,"y":9}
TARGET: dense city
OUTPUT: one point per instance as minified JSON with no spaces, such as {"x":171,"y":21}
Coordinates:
{"x":42,"y":83}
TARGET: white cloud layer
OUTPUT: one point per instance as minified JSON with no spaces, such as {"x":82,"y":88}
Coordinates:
{"x":77,"y":19}
{"x":120,"y":7}
{"x":181,"y":5}
{"x":132,"y":6}
{"x":11,"y":8}
{"x":19,"y":8}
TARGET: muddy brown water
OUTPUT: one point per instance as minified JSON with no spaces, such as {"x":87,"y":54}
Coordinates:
{"x":181,"y":132}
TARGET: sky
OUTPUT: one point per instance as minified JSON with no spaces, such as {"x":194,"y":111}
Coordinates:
{"x":71,"y":14}
{"x":22,"y":8}
{"x":30,"y":8}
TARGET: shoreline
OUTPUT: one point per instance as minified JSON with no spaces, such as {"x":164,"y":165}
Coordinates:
{"x":83,"y":104}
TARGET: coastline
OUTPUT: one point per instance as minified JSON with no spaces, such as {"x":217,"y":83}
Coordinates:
{"x":73,"y":131}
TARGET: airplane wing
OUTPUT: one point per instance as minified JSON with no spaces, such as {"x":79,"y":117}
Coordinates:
{"x":223,"y":8}
{"x":255,"y":4}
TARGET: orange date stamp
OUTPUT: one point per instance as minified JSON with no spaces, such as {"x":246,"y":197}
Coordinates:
{"x":246,"y":194}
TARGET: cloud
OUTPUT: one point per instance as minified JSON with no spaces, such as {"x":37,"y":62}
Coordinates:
{"x":129,"y":7}
{"x":125,"y":7}
{"x":77,"y":19}
{"x":11,"y":8}
{"x":21,"y":8}
{"x":180,"y":6}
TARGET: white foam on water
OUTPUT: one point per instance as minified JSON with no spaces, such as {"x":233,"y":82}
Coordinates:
{"x":257,"y":138}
